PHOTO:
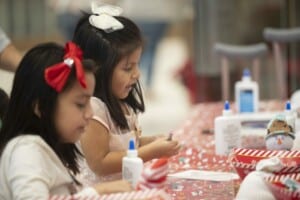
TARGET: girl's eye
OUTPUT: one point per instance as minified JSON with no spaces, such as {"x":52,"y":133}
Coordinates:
{"x":128,"y":68}
{"x":80,"y":105}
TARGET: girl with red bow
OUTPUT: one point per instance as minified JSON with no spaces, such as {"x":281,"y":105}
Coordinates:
{"x":115,"y":43}
{"x":48,"y":111}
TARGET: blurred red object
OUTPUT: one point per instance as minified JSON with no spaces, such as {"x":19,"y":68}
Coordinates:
{"x":154,"y":175}
{"x":188,"y":77}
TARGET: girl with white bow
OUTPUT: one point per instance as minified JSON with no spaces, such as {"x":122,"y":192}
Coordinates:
{"x":115,"y":43}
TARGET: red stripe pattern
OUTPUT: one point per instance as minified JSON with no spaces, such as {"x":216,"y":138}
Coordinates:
{"x":275,"y":183}
{"x":245,"y":160}
{"x":154,"y":175}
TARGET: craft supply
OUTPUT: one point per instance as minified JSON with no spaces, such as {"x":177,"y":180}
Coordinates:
{"x":154,"y":175}
{"x":290,"y":115}
{"x":246,"y":94}
{"x":170,"y":136}
{"x":132,"y":165}
{"x":227,"y":131}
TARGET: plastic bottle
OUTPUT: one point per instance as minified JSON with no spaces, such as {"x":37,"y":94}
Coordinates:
{"x":227,"y":131}
{"x":246,"y":94}
{"x":290,"y":115}
{"x":132,"y":165}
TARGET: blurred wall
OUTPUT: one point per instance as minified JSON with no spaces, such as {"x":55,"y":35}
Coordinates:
{"x":28,"y":22}
{"x":239,"y":22}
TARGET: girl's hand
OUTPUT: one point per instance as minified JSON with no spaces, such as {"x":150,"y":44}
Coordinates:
{"x":164,"y":147}
{"x":113,"y":187}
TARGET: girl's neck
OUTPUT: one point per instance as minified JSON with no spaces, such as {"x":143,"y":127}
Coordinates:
{"x":124,"y":108}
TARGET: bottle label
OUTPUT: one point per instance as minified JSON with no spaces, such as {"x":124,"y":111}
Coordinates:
{"x":246,"y":101}
{"x":231,"y":137}
{"x":127,"y":174}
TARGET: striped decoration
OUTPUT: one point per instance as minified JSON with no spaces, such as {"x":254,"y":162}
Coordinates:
{"x":265,"y":153}
{"x":153,"y":194}
{"x":278,"y":178}
{"x":245,"y":160}
{"x":275,"y":183}
{"x":154,"y":175}
{"x":282,"y":193}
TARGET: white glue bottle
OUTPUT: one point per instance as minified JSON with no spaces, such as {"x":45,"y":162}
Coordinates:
{"x":227,"y":131}
{"x":290,"y":116}
{"x":132,"y":165}
{"x":246,"y":94}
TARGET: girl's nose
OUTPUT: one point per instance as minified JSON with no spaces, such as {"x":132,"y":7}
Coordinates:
{"x":89,"y":112}
{"x":136,"y":74}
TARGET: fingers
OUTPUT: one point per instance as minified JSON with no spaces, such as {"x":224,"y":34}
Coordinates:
{"x":174,"y":143}
{"x":166,"y":147}
{"x":127,"y":186}
{"x":178,"y":147}
{"x":174,"y":148}
{"x":124,"y":186}
{"x":113,"y":187}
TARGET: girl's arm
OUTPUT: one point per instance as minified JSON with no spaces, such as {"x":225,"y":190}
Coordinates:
{"x":10,"y":58}
{"x":32,"y":170}
{"x":95,"y":146}
{"x":113,"y":187}
{"x":148,"y":139}
{"x":104,"y":188}
{"x":144,"y":140}
{"x":29,"y":171}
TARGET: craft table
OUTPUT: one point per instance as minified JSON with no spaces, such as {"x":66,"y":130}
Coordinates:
{"x":198,"y":152}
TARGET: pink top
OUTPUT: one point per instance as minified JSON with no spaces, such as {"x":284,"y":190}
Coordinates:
{"x":119,"y":139}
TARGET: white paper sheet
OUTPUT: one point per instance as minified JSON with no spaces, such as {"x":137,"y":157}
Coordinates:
{"x":205,"y":175}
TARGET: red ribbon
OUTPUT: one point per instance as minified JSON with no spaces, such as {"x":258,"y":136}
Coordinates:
{"x":57,"y":75}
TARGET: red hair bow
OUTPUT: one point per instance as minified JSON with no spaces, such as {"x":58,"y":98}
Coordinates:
{"x":57,"y":75}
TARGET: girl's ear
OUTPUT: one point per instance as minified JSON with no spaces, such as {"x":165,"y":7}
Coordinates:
{"x":36,"y":109}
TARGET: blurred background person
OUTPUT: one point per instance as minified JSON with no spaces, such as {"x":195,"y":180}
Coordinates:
{"x":10,"y":58}
{"x":9,"y":55}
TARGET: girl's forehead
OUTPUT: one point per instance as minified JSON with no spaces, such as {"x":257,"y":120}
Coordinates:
{"x":76,"y":89}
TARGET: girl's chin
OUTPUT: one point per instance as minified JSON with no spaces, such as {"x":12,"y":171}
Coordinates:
{"x":125,"y":95}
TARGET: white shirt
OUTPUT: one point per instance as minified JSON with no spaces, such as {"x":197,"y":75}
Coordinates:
{"x":4,"y":40}
{"x":30,"y":169}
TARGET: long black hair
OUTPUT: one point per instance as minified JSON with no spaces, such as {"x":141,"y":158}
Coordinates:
{"x":107,"y":49}
{"x":30,"y":90}
{"x":4,"y":99}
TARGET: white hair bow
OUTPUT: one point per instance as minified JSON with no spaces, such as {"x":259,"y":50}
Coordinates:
{"x":103,"y":17}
